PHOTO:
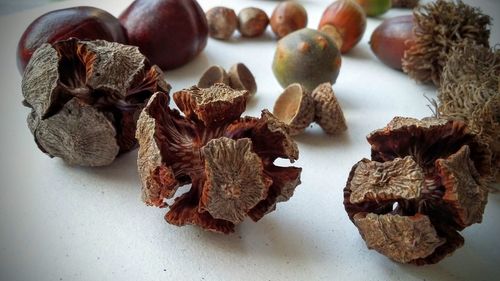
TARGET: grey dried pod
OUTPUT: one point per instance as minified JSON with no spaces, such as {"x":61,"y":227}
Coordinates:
{"x":424,"y":184}
{"x":228,"y":160}
{"x":241,"y":78}
{"x":85,"y":98}
{"x":213,"y":75}
{"x":328,"y":113}
{"x":469,"y":92}
{"x":295,"y":108}
{"x":222,"y":22}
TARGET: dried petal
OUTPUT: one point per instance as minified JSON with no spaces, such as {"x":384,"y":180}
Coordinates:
{"x":402,"y":239}
{"x":328,"y":113}
{"x":439,"y":26}
{"x":295,"y":108}
{"x":235,"y":179}
{"x":213,"y":106}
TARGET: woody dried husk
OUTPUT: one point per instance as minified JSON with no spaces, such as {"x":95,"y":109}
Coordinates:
{"x":424,"y":184}
{"x":228,"y":160}
{"x":439,"y":26}
{"x":85,"y":98}
{"x":470,"y":92}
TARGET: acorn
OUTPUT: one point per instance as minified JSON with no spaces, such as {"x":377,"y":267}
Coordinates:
{"x":375,"y":8}
{"x":307,"y":57}
{"x":349,"y":18}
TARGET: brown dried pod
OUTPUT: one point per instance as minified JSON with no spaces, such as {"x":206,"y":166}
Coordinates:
{"x":252,"y":22}
{"x":406,"y":4}
{"x":228,"y":160}
{"x":85,"y":98}
{"x":287,"y":17}
{"x":469,"y":92}
{"x":295,"y":108}
{"x":425,"y":183}
{"x":328,"y":113}
{"x":241,"y":78}
{"x":213,"y":75}
{"x":222,"y":22}
{"x":439,"y":26}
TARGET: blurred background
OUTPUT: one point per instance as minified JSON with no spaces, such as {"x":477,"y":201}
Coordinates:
{"x":12,"y":6}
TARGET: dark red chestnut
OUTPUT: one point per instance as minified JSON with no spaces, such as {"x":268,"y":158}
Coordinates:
{"x":169,"y":32}
{"x":86,"y":23}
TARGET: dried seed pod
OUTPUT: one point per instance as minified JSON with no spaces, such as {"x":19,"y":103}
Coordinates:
{"x":241,"y":78}
{"x":407,"y":4}
{"x":295,"y":108}
{"x":85,"y":98}
{"x":439,"y":26}
{"x":425,"y":182}
{"x":252,"y":22}
{"x":213,"y":75}
{"x":222,"y":22}
{"x":328,"y":113}
{"x":228,"y":160}
{"x":287,"y":17}
{"x":469,"y":92}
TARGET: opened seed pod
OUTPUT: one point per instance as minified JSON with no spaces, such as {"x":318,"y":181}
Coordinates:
{"x":424,"y":184}
{"x":469,"y":92}
{"x":228,"y":160}
{"x":213,"y":75}
{"x":295,"y":108}
{"x":439,"y":26}
{"x":241,"y":78}
{"x":85,"y":98}
{"x":328,"y":113}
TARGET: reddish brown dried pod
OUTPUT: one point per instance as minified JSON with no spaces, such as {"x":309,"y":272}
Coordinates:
{"x":85,"y":98}
{"x":228,"y":160}
{"x":469,"y":92}
{"x":439,"y":26}
{"x":407,"y":4}
{"x":425,"y":183}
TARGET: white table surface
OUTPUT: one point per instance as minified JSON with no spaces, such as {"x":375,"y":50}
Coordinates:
{"x":59,"y":222}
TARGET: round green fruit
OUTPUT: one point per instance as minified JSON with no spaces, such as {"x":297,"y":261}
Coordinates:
{"x":307,"y":57}
{"x":374,"y":8}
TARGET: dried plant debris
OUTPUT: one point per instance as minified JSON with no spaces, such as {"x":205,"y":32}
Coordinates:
{"x":328,"y":113}
{"x":85,"y":98}
{"x":407,"y":4}
{"x":213,"y":75}
{"x":295,"y":108}
{"x":425,"y":182}
{"x":470,"y":92}
{"x":228,"y":160}
{"x":439,"y":26}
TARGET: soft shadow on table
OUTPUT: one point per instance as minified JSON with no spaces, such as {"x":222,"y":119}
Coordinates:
{"x":359,"y":53}
{"x":194,"y":68}
{"x":315,"y":137}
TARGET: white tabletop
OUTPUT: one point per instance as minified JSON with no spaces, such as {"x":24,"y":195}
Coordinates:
{"x":59,"y":222}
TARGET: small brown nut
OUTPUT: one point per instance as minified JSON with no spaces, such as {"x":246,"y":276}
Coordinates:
{"x":424,"y":184}
{"x":85,"y":97}
{"x":213,"y":75}
{"x":295,"y":108}
{"x":241,"y":78}
{"x":288,"y":17}
{"x":252,"y":22}
{"x":328,"y":113}
{"x":222,"y":22}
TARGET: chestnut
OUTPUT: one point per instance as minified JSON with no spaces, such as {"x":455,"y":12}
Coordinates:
{"x":86,"y":23}
{"x":169,"y":32}
{"x":288,"y":17}
{"x":222,"y":22}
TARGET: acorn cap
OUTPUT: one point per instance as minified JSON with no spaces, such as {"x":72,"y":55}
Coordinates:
{"x":295,"y":108}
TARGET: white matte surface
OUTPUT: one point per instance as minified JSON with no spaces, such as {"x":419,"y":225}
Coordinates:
{"x":68,"y":223}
